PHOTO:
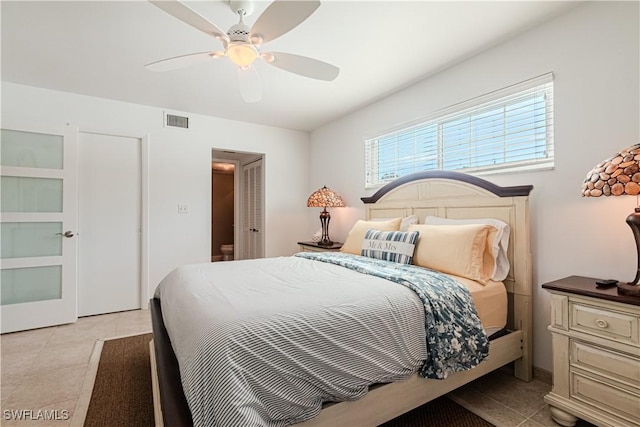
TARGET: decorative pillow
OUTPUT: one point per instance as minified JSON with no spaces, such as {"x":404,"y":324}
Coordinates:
{"x":463,"y":250}
{"x":396,"y":246}
{"x":500,"y":242}
{"x":404,"y":224}
{"x":353,"y":242}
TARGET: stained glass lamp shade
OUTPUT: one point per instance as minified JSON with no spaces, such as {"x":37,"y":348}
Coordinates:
{"x":619,"y":175}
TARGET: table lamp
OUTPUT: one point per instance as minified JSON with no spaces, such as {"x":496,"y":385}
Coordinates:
{"x":619,"y":176}
{"x":325,"y":198}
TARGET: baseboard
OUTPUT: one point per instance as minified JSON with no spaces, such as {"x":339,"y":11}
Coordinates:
{"x":543,"y":375}
{"x":538,"y":373}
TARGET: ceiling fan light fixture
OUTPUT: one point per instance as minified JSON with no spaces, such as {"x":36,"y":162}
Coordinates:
{"x":241,"y":54}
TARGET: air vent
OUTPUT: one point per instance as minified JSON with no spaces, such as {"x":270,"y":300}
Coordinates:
{"x":176,"y":121}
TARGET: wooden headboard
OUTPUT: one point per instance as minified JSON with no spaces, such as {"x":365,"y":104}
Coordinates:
{"x":459,"y":196}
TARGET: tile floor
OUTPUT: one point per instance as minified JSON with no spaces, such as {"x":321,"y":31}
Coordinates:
{"x":46,"y":369}
{"x":504,"y":400}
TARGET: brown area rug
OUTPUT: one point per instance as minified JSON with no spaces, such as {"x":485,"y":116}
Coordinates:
{"x":122,"y":393}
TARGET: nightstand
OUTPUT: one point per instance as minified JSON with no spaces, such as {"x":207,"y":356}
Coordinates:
{"x":314,"y":247}
{"x":596,"y":354}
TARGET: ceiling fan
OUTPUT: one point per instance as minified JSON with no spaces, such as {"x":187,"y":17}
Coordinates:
{"x":241,"y":44}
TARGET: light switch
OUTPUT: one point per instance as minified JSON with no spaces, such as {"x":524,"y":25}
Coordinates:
{"x":182,"y":208}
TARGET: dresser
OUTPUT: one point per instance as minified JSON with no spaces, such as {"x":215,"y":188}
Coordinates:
{"x":596,"y":354}
{"x":314,"y":247}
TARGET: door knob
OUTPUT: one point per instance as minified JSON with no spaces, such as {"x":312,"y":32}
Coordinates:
{"x":66,"y":234}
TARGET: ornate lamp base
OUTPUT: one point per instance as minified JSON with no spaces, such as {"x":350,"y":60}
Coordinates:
{"x":629,"y":289}
{"x":633,"y":288}
{"x":325,"y":217}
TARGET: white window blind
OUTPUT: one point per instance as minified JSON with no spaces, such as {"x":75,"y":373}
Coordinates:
{"x":510,"y":129}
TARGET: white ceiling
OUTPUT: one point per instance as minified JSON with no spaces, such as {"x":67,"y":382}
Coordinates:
{"x":99,"y":48}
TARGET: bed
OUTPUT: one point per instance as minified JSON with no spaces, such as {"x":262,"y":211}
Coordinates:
{"x":427,"y":194}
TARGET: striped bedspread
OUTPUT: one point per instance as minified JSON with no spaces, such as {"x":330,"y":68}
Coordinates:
{"x":265,"y":342}
{"x":456,"y":340}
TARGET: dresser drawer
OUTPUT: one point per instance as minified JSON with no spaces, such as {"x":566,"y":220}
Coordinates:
{"x":605,"y":323}
{"x":615,"y":400}
{"x":604,"y":362}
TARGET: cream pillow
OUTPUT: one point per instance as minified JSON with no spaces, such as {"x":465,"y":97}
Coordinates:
{"x":353,"y":243}
{"x":500,"y":242}
{"x":462,"y":250}
{"x":404,"y":224}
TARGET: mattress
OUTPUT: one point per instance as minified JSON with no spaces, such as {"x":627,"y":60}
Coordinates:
{"x":490,"y":301}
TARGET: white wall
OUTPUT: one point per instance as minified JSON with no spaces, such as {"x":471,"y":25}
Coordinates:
{"x":180,"y":169}
{"x":593,"y":51}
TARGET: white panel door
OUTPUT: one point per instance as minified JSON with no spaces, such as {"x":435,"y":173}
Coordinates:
{"x":109,"y":173}
{"x":39,"y":222}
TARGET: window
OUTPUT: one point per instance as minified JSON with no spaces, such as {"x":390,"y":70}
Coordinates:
{"x":511,"y":129}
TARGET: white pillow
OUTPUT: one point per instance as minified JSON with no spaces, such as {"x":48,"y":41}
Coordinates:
{"x":500,"y":243}
{"x":404,"y":224}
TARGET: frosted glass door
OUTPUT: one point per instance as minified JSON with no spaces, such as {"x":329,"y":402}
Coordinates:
{"x":37,"y":219}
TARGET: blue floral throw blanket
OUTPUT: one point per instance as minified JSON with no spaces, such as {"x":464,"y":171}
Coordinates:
{"x":456,"y":340}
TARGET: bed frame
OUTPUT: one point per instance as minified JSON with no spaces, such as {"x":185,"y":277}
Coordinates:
{"x":433,"y":193}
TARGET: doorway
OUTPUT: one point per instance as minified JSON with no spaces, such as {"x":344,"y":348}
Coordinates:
{"x":223,"y":193}
{"x":229,"y":220}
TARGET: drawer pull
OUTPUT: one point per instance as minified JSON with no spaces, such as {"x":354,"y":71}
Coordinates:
{"x":601,"y":323}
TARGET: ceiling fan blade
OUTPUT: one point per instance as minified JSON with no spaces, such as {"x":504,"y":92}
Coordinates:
{"x":303,"y":66}
{"x":249,"y":84}
{"x":191,"y":17}
{"x":182,"y":61}
{"x":281,"y":17}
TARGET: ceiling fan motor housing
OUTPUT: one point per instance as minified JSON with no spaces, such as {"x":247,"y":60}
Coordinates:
{"x":239,"y":33}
